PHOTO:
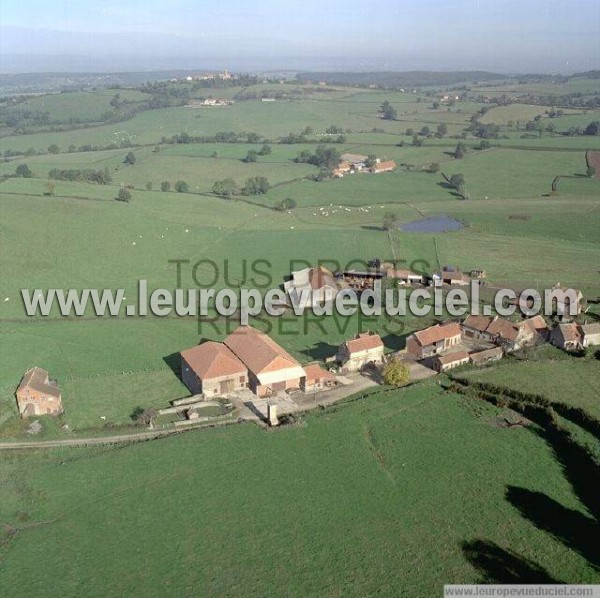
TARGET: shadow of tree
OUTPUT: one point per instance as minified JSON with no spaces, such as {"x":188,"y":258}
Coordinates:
{"x":576,"y":530}
{"x":572,"y":528}
{"x":497,"y":565}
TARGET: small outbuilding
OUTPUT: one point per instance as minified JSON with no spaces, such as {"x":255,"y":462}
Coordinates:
{"x":317,"y":378}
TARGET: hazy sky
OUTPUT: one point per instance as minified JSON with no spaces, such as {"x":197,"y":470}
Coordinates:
{"x":513,"y":35}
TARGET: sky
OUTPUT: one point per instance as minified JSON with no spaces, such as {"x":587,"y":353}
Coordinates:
{"x":503,"y":35}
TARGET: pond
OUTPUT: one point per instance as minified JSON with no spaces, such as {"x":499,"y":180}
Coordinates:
{"x":433,"y":224}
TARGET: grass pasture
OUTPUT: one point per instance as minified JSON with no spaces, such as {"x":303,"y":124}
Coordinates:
{"x":379,"y":490}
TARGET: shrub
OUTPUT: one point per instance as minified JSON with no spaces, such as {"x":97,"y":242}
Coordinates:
{"x":124,"y":195}
{"x":396,"y":373}
{"x":181,"y":187}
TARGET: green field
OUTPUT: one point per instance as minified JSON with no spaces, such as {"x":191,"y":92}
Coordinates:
{"x":397,"y":494}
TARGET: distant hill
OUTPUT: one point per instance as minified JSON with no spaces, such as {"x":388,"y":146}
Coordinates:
{"x":402,"y":79}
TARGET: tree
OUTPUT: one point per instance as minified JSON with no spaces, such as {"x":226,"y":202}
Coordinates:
{"x":308,"y":130}
{"x":286,"y":204}
{"x":334,"y":130}
{"x":23,"y":170}
{"x":425,"y":131}
{"x":225,"y":188}
{"x":371,"y":161}
{"x":484,"y":144}
{"x":396,"y":373}
{"x":144,"y":416}
{"x":253,"y":137}
{"x":149,"y":186}
{"x":258,"y":185}
{"x":593,"y":128}
{"x":388,"y":112}
{"x":251,"y":156}
{"x":181,"y":187}
{"x":124,"y":195}
{"x":165,"y":186}
{"x":265,"y":150}
{"x":442,"y":129}
{"x":417,"y":141}
{"x":460,"y":151}
{"x":410,"y":132}
{"x":434,"y":167}
{"x":53,"y":149}
{"x":390,"y":220}
{"x":130,"y":159}
{"x":49,"y":188}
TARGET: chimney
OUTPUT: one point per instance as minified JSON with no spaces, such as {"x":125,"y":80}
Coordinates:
{"x":272,"y":414}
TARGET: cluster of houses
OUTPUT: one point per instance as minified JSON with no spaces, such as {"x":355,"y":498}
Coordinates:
{"x":249,"y":359}
{"x":209,"y":102}
{"x":324,"y":284}
{"x":352,"y":163}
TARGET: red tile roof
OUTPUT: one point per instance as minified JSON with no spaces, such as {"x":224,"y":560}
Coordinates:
{"x":503,"y":328}
{"x":364,"y":342}
{"x":257,"y":351}
{"x":37,"y":379}
{"x":436,"y":333}
{"x":570,"y":332}
{"x":386,"y":165}
{"x":452,"y":357}
{"x":314,"y":372}
{"x":478,"y":322}
{"x":213,"y":360}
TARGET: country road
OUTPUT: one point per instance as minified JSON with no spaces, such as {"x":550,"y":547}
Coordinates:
{"x":148,"y":435}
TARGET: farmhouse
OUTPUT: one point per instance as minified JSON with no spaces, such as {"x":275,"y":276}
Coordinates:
{"x":441,"y":363}
{"x":386,"y":166}
{"x":501,"y":331}
{"x":562,"y":304}
{"x":311,"y":286}
{"x":270,"y":367}
{"x":38,"y":395}
{"x":572,"y":336}
{"x":591,"y":334}
{"x":356,"y":161}
{"x":453,"y":276}
{"x":567,"y":337}
{"x":534,"y":329}
{"x":407,"y":277}
{"x":486,"y":356}
{"x":363,"y":349}
{"x":317,"y":378}
{"x":433,"y":340}
{"x":211,"y":368}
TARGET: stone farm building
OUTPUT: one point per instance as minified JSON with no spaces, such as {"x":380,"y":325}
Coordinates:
{"x":573,"y":337}
{"x":317,"y":378}
{"x":213,"y":369}
{"x":433,"y":340}
{"x":247,"y":358}
{"x":441,"y":363}
{"x":38,"y":395}
{"x":503,"y":332}
{"x":363,"y":349}
{"x":384,"y":166}
{"x":311,"y":286}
